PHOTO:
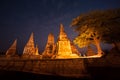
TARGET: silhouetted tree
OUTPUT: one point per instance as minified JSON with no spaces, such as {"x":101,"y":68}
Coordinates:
{"x":97,"y":26}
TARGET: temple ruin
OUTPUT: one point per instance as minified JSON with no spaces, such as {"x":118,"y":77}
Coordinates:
{"x":50,"y":47}
{"x":12,"y":50}
{"x":64,"y":49}
{"x":30,"y":48}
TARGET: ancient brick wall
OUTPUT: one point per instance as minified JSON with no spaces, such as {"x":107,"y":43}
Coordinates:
{"x":62,"y":67}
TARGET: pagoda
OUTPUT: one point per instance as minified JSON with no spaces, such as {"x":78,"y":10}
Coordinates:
{"x":30,"y":48}
{"x":64,"y":47}
{"x":12,"y":50}
{"x":50,"y":47}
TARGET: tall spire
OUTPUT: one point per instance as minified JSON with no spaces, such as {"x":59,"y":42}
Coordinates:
{"x":64,"y":49}
{"x":50,"y":38}
{"x":63,"y":44}
{"x":31,"y":40}
{"x":12,"y":50}
{"x":49,"y":49}
{"x":62,"y":35}
{"x":61,"y":28}
{"x":29,"y":48}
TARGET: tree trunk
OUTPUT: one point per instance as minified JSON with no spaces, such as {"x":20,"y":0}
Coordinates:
{"x":97,"y":43}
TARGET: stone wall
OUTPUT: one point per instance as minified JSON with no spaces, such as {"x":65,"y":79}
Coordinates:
{"x":110,"y":60}
{"x":61,"y":67}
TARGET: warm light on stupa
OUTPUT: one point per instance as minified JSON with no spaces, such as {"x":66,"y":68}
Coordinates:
{"x":30,"y":49}
{"x":64,"y":49}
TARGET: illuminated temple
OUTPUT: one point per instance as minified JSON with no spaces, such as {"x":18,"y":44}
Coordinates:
{"x":30,"y":49}
{"x":12,"y":50}
{"x":65,"y":49}
{"x":50,"y":47}
{"x":62,"y":49}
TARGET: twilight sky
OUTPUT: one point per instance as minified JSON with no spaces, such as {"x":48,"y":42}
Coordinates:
{"x":19,"y":18}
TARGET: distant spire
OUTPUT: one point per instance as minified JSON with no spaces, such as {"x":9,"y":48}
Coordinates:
{"x":30,"y":42}
{"x":50,"y":38}
{"x":49,"y":49}
{"x":64,"y":48}
{"x":31,"y":39}
{"x":29,"y":48}
{"x":62,"y":34}
{"x":12,"y":49}
{"x":61,"y":28}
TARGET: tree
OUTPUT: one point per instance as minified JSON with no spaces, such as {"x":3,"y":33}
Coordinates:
{"x":97,"y":26}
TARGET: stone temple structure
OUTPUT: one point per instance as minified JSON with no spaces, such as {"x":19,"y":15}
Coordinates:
{"x":12,"y":50}
{"x":50,"y":47}
{"x":64,"y":48}
{"x":30,"y":48}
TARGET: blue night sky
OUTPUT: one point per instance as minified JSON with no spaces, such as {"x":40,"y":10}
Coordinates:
{"x":19,"y":18}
